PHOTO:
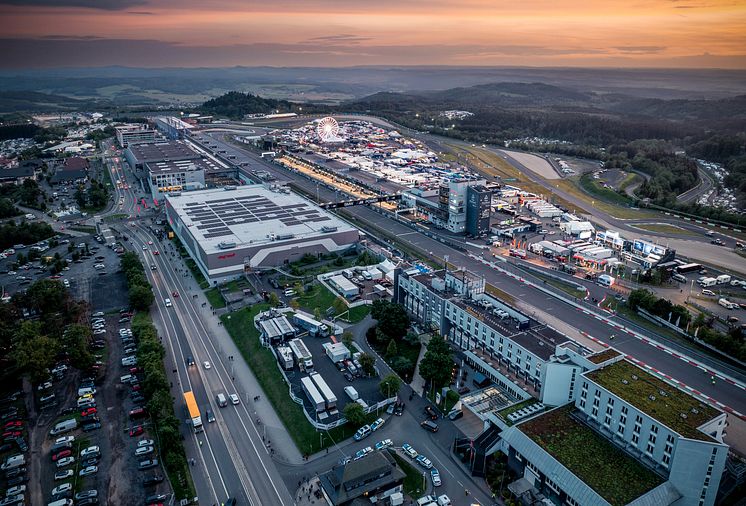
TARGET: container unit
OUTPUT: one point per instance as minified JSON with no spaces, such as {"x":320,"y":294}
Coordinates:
{"x":317,"y":400}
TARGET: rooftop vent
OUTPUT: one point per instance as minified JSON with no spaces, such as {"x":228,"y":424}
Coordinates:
{"x":662,"y":392}
{"x":652,"y":397}
{"x":625,"y":382}
{"x":634,"y":377}
{"x":683,"y":415}
{"x":695,"y":411}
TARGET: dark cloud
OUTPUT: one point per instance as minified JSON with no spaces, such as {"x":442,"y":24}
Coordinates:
{"x":96,"y":52}
{"x":343,"y":38}
{"x":70,"y":37}
{"x":640,"y":49}
{"x":106,"y":5}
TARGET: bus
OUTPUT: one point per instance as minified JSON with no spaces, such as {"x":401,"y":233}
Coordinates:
{"x":681,"y":269}
{"x":193,"y":411}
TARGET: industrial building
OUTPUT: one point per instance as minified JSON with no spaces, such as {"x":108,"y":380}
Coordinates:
{"x":179,"y":175}
{"x":134,"y":133}
{"x":138,"y":155}
{"x":569,"y":417}
{"x":229,"y":231}
{"x":173,"y":128}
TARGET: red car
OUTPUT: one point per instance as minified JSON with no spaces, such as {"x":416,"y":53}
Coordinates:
{"x":88,"y":412}
{"x":137,"y":413}
{"x":134,"y":370}
{"x":61,"y":455}
{"x":175,"y":294}
{"x":14,"y":424}
{"x":136,"y":431}
{"x":136,"y":388}
{"x":156,"y":253}
{"x":13,"y":433}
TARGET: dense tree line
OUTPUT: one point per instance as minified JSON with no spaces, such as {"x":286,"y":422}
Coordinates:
{"x":55,"y":330}
{"x":7,"y":209}
{"x":236,"y":105}
{"x":140,"y":291}
{"x":659,"y":306}
{"x":93,"y":198}
{"x":27,"y":232}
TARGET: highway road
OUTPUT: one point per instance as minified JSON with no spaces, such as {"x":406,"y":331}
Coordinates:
{"x":731,"y":394}
{"x":232,"y":460}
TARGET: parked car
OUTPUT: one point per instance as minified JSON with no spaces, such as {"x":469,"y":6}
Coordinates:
{"x":409,"y":451}
{"x":63,"y":475}
{"x":377,"y":424}
{"x":136,"y":431}
{"x":66,"y":461}
{"x":435,"y":477}
{"x":382,"y":445}
{"x":147,"y":464}
{"x":143,"y":450}
{"x":430,"y":411}
{"x":87,"y":471}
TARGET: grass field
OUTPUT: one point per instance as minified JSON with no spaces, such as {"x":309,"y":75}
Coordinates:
{"x":566,"y":287}
{"x":321,"y":298}
{"x":592,"y":186}
{"x":213,"y":296}
{"x":663,"y":228}
{"x":240,"y":325}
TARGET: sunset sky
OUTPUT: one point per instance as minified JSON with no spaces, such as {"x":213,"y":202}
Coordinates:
{"x":153,"y":33}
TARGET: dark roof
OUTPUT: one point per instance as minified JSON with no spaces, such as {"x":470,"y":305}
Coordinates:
{"x":161,"y":151}
{"x":75,"y":163}
{"x":68,"y":175}
{"x":16,"y":172}
{"x":374,"y":472}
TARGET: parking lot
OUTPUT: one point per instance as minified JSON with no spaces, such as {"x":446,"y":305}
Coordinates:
{"x":367,"y":388}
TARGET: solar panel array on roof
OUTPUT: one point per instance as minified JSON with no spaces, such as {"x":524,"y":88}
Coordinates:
{"x":215,"y":216}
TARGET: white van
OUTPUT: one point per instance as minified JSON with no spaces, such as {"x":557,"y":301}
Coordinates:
{"x":351,"y":393}
{"x":222,"y":401}
{"x":367,"y":275}
{"x":12,"y":462}
{"x":289,"y":292}
{"x":64,"y":426}
{"x":679,"y":278}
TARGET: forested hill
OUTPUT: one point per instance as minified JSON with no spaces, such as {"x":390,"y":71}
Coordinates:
{"x":236,"y":105}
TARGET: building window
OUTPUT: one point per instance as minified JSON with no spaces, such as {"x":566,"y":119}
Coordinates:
{"x":607,"y":421}
{"x":583,"y":394}
{"x":622,"y":419}
{"x":652,"y":438}
{"x":666,"y":460}
{"x":594,"y":412}
{"x":654,"y":429}
{"x":582,"y":403}
{"x":610,"y":401}
{"x":595,"y":402}
{"x":635,"y":439}
{"x":649,"y":449}
{"x":624,"y":409}
{"x":620,"y":430}
{"x":638,"y":419}
{"x":609,"y":409}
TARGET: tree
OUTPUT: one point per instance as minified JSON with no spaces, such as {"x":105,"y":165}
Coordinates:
{"x":390,"y":385}
{"x":347,"y":339}
{"x":403,"y":367}
{"x":35,"y":356}
{"x":317,"y":313}
{"x":392,"y":350}
{"x":274,"y":300}
{"x":437,"y":364}
{"x":368,"y":363}
{"x":393,"y":319}
{"x":298,"y":287}
{"x":294,"y":304}
{"x":339,"y":305}
{"x":141,"y":297}
{"x":354,"y":413}
{"x":75,"y":342}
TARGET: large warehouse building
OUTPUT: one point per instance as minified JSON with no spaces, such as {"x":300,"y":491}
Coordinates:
{"x":252,"y":227}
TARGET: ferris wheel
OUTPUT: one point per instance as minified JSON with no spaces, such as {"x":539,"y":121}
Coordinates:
{"x":327,"y":129}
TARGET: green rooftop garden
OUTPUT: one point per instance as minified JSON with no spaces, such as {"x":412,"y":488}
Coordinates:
{"x":613,"y":474}
{"x":670,"y":406}
{"x":603,"y":356}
